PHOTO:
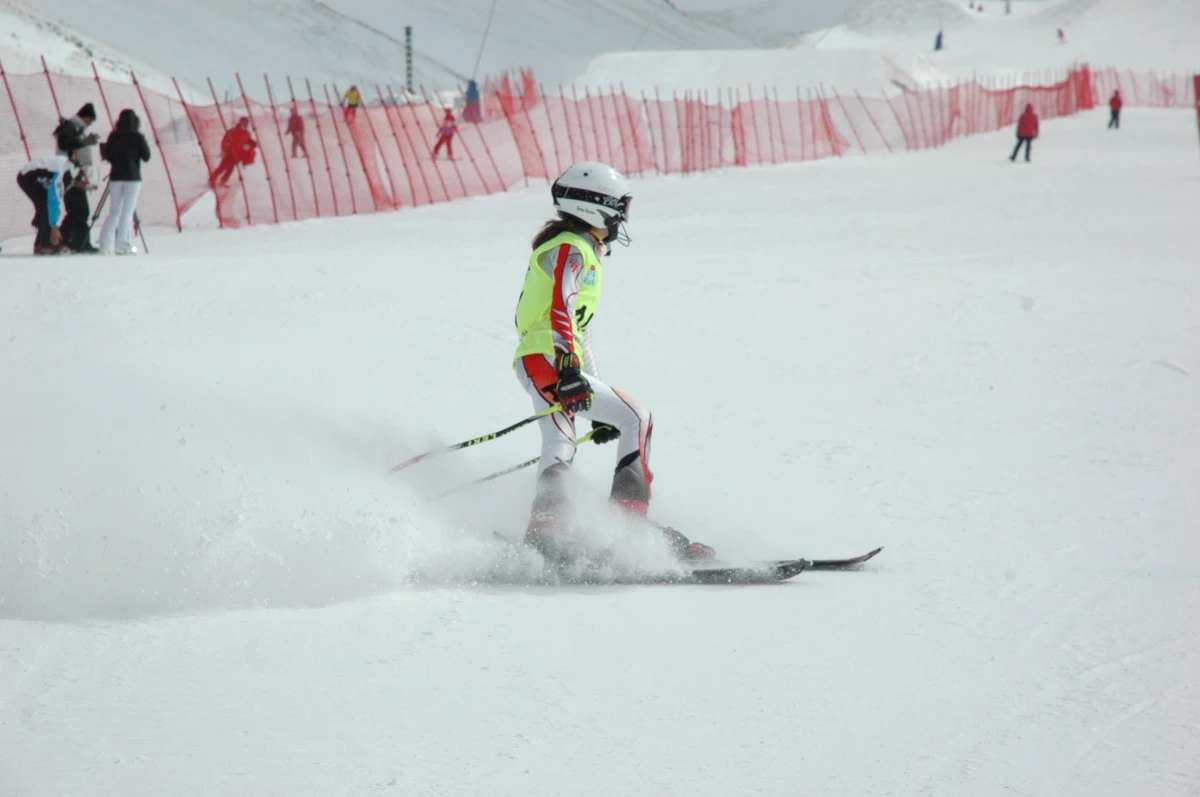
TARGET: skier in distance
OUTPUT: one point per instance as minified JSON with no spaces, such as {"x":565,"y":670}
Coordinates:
{"x":555,"y":363}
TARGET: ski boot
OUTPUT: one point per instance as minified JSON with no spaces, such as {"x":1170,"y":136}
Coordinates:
{"x":684,"y":549}
{"x":548,"y":520}
{"x":633,"y":496}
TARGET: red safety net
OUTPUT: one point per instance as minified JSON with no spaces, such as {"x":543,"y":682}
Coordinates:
{"x":316,"y":159}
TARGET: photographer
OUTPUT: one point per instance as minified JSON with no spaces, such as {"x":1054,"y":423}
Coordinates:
{"x":73,"y":140}
{"x":126,"y":149}
{"x":71,"y":134}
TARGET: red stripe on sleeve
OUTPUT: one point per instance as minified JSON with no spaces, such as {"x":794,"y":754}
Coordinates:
{"x":564,"y":290}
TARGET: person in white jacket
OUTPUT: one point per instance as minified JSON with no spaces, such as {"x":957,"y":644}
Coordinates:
{"x":45,"y":180}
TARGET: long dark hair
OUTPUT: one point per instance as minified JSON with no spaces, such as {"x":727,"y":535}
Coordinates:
{"x":128,"y":120}
{"x":558,"y":226}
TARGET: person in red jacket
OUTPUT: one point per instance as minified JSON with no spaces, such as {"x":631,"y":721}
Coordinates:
{"x":446,"y":136}
{"x":1027,"y":131}
{"x":1114,"y":103}
{"x":295,"y":129}
{"x":237,"y":147}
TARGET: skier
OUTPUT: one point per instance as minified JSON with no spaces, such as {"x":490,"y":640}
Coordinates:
{"x":937,"y":41}
{"x":1114,"y":104}
{"x":351,"y":100}
{"x":1027,"y":131}
{"x":45,"y":180}
{"x":126,"y":149}
{"x":446,"y":136}
{"x":555,"y":363}
{"x":295,"y":129}
{"x":236,"y":147}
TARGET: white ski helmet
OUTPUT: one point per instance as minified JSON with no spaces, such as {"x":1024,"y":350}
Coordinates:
{"x":595,"y":194}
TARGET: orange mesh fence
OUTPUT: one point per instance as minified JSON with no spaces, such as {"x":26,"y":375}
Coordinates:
{"x":316,"y":159}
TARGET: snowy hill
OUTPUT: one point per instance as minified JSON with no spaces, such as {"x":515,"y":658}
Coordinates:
{"x":361,"y":40}
{"x":890,"y":42}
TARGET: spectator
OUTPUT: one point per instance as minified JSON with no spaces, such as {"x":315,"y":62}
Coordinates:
{"x":471,"y":112}
{"x":45,"y":180}
{"x":937,"y":41}
{"x":237,"y":147}
{"x":1027,"y":131}
{"x":1114,"y":104}
{"x":72,"y":140}
{"x":126,"y":149}
{"x":446,"y":136}
{"x":76,"y":227}
{"x":295,"y":129}
{"x":71,"y":134}
{"x":351,"y":100}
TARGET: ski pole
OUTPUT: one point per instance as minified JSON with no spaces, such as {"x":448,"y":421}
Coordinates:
{"x":476,"y":441}
{"x":504,"y":472}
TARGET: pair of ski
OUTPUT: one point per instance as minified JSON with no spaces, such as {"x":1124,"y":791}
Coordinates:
{"x":761,"y":573}
{"x":700,"y":572}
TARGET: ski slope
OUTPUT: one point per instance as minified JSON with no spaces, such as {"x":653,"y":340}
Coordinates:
{"x":889,"y":43}
{"x":210,"y":585}
{"x":347,"y":41}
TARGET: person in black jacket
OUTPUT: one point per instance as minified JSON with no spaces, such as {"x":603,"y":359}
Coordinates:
{"x":125,"y":149}
{"x":71,"y":134}
{"x":73,"y":141}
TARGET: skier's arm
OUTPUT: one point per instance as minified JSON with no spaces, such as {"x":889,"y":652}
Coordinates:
{"x":565,"y":265}
{"x":589,"y":357}
{"x":143,"y":148}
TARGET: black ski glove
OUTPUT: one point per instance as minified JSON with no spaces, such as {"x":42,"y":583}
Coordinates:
{"x":574,"y":392}
{"x":604,"y":433}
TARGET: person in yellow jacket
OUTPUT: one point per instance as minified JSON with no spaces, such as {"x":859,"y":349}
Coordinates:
{"x":350,"y":102}
{"x":555,"y":362}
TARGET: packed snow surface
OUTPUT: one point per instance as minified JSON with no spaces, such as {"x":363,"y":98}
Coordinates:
{"x":209,"y":583}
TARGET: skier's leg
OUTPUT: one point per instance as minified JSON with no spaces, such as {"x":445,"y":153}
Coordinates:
{"x":1016,"y":149}
{"x":224,"y":170}
{"x":537,"y":375}
{"x":1028,"y":146}
{"x":632,"y":477}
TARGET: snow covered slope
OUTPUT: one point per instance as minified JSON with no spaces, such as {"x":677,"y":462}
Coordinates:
{"x":771,"y":23}
{"x":889,"y":42}
{"x":361,"y":40}
{"x":210,"y":585}
{"x":27,"y":36}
